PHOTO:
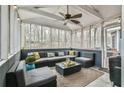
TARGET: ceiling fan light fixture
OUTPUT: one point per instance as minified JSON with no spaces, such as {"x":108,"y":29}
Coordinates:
{"x":18,"y":19}
{"x":69,"y":17}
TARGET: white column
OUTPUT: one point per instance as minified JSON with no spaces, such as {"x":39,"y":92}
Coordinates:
{"x":102,"y":45}
{"x":90,"y":36}
{"x":0,"y":32}
{"x":4,"y":31}
{"x":59,"y":38}
{"x":18,"y":36}
{"x":22,"y":36}
{"x":117,"y":38}
{"x":51,"y":37}
{"x":71,"y":39}
{"x":105,"y":49}
{"x":65,"y":39}
{"x":42,"y":36}
{"x":29,"y":35}
{"x":16,"y":33}
{"x":12,"y":29}
{"x":122,"y":49}
{"x":82,"y":39}
{"x":95,"y":37}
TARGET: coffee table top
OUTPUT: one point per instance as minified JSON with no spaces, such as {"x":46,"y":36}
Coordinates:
{"x":63,"y":67}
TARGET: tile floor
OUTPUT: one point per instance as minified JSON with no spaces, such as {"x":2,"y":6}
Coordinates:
{"x":102,"y":81}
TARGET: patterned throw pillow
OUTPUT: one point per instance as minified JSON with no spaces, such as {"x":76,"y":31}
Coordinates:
{"x":72,"y":52}
{"x":60,"y":53}
{"x":50,"y":54}
{"x":36,"y":55}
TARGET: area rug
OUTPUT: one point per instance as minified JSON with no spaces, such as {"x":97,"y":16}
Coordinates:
{"x":78,"y":79}
{"x":104,"y":69}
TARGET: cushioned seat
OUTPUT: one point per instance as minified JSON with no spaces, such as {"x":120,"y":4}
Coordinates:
{"x":51,"y":61}
{"x":87,"y":60}
{"x":39,"y":77}
{"x":54,"y":58}
{"x":48,"y":59}
{"x":84,"y":58}
{"x":34,"y":78}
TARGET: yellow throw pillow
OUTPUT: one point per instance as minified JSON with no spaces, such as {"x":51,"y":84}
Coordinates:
{"x":36,"y":55}
{"x":72,"y":52}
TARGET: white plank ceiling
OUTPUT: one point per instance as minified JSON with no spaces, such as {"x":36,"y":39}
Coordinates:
{"x":48,"y":15}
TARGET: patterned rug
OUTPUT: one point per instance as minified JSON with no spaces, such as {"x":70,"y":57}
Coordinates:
{"x":78,"y":79}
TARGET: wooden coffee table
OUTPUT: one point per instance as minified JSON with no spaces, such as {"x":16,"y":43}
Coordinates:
{"x":60,"y":68}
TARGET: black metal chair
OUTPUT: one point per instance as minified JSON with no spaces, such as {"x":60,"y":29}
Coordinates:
{"x":115,"y":70}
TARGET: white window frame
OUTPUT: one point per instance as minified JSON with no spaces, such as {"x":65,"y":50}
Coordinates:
{"x":4,"y":31}
{"x":0,"y":32}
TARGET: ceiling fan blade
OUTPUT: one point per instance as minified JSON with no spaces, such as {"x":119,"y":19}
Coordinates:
{"x":65,"y":22}
{"x":75,"y":21}
{"x":36,"y":7}
{"x":62,"y":14}
{"x":77,"y":15}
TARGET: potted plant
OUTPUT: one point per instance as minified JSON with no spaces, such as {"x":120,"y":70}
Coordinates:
{"x":29,"y":62}
{"x":30,"y":59}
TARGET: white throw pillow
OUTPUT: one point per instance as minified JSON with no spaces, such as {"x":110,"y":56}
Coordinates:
{"x":60,"y":53}
{"x":30,"y":54}
{"x":50,"y":54}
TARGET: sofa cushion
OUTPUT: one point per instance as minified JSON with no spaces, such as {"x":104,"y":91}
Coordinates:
{"x":20,"y":74}
{"x":77,"y":53}
{"x":88,"y":55}
{"x":72,"y":52}
{"x":50,"y":54}
{"x":83,"y":59}
{"x":42,"y":54}
{"x":85,"y":62}
{"x":60,"y":53}
{"x":36,"y":55}
{"x":39,"y":77}
{"x":49,"y":59}
{"x":54,"y":58}
{"x":30,"y":54}
{"x":66,"y":52}
{"x":56,"y":53}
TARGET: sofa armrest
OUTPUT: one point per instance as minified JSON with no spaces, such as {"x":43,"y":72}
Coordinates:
{"x":39,"y":77}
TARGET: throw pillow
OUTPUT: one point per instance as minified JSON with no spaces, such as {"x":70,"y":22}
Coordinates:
{"x":72,"y":52}
{"x":30,"y":54}
{"x":61,"y":53}
{"x":36,"y":55}
{"x":50,"y":54}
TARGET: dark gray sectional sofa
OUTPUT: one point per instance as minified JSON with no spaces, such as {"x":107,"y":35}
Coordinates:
{"x":51,"y":61}
{"x":34,"y":78}
{"x":40,"y":77}
{"x":86,"y":60}
{"x":48,"y":61}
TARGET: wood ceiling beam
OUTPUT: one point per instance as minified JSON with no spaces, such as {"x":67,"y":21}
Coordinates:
{"x":91,"y":11}
{"x":43,"y":13}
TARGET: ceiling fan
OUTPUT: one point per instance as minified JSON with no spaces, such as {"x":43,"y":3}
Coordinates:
{"x":69,"y":17}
